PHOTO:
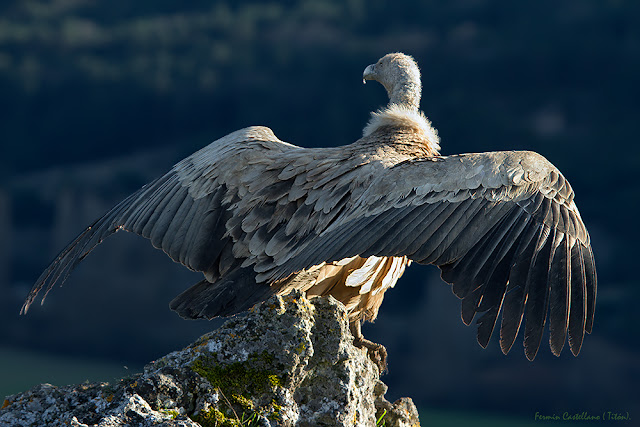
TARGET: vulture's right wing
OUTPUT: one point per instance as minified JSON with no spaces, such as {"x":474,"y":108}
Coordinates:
{"x":502,"y":227}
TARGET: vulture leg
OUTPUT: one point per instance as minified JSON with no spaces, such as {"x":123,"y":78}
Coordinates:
{"x":377,"y":352}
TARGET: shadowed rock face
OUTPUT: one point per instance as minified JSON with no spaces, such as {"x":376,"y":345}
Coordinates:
{"x":288,"y":362}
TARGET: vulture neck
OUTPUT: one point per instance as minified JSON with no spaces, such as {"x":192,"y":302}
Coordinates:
{"x":404,"y":124}
{"x":405,"y":93}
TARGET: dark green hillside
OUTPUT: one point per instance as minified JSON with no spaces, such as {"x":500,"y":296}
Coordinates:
{"x":99,"y":97}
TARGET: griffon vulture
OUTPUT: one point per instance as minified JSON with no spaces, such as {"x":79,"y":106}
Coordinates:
{"x":259,"y":216}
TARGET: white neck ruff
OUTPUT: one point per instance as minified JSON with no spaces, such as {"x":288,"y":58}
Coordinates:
{"x":401,"y":116}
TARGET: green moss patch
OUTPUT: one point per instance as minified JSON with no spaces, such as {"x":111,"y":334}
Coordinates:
{"x":240,"y":384}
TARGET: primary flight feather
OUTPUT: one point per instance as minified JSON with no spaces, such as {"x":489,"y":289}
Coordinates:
{"x":258,"y":216}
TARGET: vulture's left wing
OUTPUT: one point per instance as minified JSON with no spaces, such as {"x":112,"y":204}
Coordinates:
{"x":502,"y":227}
{"x":185,"y":213}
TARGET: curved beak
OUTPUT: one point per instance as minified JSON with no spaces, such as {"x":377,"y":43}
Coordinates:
{"x":369,"y":73}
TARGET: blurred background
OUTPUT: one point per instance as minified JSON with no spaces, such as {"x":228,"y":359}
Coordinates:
{"x":98,"y":98}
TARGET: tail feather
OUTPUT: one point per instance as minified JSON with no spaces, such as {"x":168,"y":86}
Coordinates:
{"x":236,"y":292}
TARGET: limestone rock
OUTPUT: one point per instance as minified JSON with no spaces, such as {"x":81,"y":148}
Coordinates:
{"x":288,"y":362}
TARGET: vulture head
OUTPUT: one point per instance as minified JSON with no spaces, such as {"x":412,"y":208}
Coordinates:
{"x":400,"y":76}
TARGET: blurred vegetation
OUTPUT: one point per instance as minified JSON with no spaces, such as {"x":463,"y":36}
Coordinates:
{"x":82,"y":81}
{"x":82,"y":78}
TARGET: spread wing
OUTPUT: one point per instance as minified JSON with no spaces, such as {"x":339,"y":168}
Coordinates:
{"x":250,"y":210}
{"x":184,"y":213}
{"x":502,"y":227}
{"x":215,"y":210}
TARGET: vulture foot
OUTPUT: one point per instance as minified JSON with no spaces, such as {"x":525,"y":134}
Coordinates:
{"x":377,"y":352}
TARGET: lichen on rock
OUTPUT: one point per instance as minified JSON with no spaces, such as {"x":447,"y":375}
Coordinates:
{"x":288,"y":362}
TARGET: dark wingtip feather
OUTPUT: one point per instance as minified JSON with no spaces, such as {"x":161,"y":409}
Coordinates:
{"x":578,"y":308}
{"x":560,"y":277}
{"x":515,"y":297}
{"x":531,"y":352}
{"x":470,"y":306}
{"x":81,"y":246}
{"x":538,"y":293}
{"x":592,"y":286}
{"x":60,"y":267}
{"x":486,"y":324}
{"x":511,"y":318}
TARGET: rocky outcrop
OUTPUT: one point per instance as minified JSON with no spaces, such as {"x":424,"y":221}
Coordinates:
{"x":288,"y":362}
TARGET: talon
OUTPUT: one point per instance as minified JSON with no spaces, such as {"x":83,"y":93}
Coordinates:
{"x":376,"y":352}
